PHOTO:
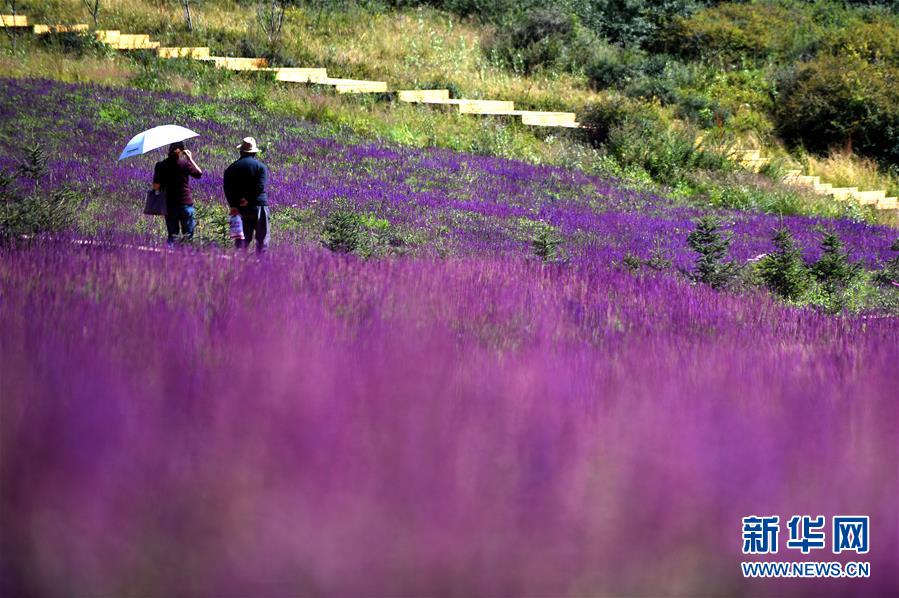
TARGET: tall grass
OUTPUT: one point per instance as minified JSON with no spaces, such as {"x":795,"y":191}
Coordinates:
{"x":311,"y":424}
{"x":849,"y":170}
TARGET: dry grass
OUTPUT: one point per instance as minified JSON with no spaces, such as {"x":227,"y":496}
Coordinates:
{"x":410,"y":49}
{"x":848,"y":170}
{"x":66,"y":68}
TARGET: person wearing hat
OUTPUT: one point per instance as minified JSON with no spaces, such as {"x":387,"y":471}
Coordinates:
{"x":245,"y":184}
{"x":173,"y":175}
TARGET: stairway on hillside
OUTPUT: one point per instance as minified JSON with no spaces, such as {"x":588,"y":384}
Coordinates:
{"x":315,"y":76}
{"x":752,"y":159}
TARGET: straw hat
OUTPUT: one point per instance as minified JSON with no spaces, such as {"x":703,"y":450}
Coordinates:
{"x":248,"y":146}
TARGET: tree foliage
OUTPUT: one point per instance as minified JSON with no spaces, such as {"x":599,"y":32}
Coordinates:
{"x":783,"y":270}
{"x":712,"y":266}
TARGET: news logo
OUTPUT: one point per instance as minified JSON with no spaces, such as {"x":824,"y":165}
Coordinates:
{"x":805,"y":533}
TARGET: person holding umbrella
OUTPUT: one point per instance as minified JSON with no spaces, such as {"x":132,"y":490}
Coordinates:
{"x":245,"y":184}
{"x":172,"y":175}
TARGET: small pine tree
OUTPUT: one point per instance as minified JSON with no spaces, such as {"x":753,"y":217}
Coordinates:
{"x":833,"y":269}
{"x":342,"y":229}
{"x":890,"y":273}
{"x":783,"y":270}
{"x":34,"y":166}
{"x":546,"y":242}
{"x":712,"y":246}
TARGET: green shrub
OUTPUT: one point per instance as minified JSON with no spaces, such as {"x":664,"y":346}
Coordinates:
{"x":76,"y":43}
{"x":833,"y":269}
{"x":536,"y":39}
{"x":348,"y":231}
{"x":611,"y":66}
{"x":38,"y":213}
{"x":546,"y":242}
{"x":874,"y":42}
{"x":702,"y":110}
{"x":34,"y":164}
{"x":889,"y":275}
{"x":836,"y":101}
{"x":783,"y":270}
{"x":733,"y":33}
{"x":712,"y":266}
{"x":666,"y":152}
{"x":342,"y":229}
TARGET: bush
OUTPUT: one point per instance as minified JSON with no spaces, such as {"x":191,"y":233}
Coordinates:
{"x":75,"y":43}
{"x":782,"y":270}
{"x":611,"y":66}
{"x":732,"y":33}
{"x":889,"y":275}
{"x":712,"y":245}
{"x":874,"y":42}
{"x":542,"y":38}
{"x":37,"y":214}
{"x":348,"y":231}
{"x":835,"y":101}
{"x":342,"y":229}
{"x":546,"y":242}
{"x":833,"y":269}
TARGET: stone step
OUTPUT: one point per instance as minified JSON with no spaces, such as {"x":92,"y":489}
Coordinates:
{"x":823,"y":188}
{"x":486,"y":107}
{"x":198,"y":53}
{"x":108,"y":36}
{"x":888,"y":203}
{"x":869,"y":196}
{"x":134,"y":41}
{"x":423,"y":95}
{"x":843,"y":193}
{"x":547,"y":119}
{"x":238,"y":64}
{"x":804,"y":180}
{"x":354,"y":85}
{"x":300,"y":75}
{"x":13,"y":21}
{"x":45,"y":29}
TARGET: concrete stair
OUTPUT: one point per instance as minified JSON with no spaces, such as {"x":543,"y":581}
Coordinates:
{"x":888,"y":203}
{"x":46,"y":29}
{"x":238,"y":64}
{"x":843,"y":193}
{"x":423,"y":95}
{"x":13,"y":21}
{"x":548,"y":119}
{"x":300,"y":75}
{"x":498,"y":107}
{"x":135,"y":41}
{"x":354,"y":85}
{"x":200,"y":53}
{"x":319,"y":76}
{"x":109,"y":36}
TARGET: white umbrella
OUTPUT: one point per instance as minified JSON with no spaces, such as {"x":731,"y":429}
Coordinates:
{"x":154,"y":138}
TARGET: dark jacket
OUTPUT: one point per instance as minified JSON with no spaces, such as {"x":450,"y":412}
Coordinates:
{"x":173,"y":177}
{"x":246,"y":178}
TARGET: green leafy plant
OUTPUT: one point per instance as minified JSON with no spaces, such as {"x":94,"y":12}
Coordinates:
{"x":712,"y":245}
{"x":34,"y":164}
{"x":783,"y":271}
{"x":546,"y":242}
{"x":833,"y":269}
{"x":342,"y":229}
{"x":889,"y":275}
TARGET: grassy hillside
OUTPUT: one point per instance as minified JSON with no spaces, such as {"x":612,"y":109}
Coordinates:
{"x":647,"y":97}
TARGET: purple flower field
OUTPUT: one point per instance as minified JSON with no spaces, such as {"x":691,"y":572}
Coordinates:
{"x":467,"y":421}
